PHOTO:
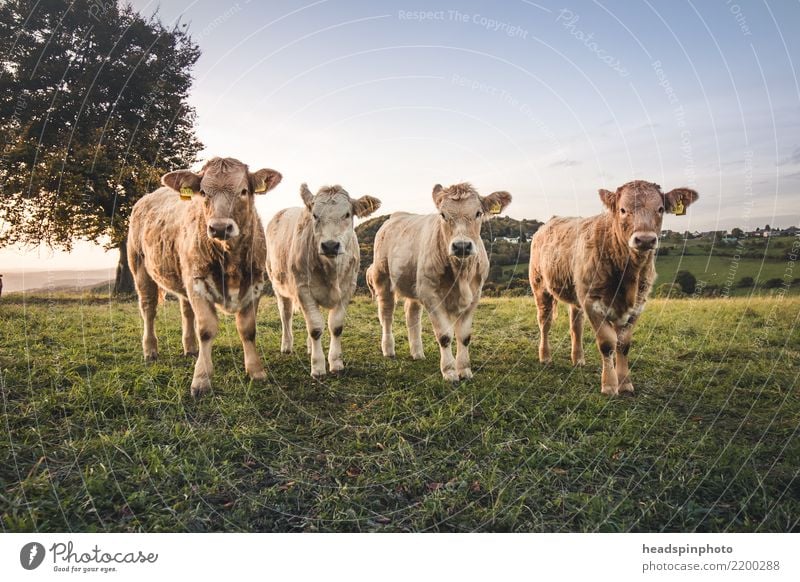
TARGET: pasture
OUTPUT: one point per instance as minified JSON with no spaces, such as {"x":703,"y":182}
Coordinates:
{"x":94,"y":439}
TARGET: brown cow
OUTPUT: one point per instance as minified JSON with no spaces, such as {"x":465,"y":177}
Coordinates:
{"x":200,"y":238}
{"x":437,"y":261}
{"x":602,"y":266}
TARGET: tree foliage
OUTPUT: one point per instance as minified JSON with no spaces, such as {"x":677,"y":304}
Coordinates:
{"x":93,"y":108}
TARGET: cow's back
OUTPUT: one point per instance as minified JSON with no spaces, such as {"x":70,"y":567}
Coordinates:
{"x":556,"y":251}
{"x":283,"y":244}
{"x":159,"y":227}
{"x":401,"y":244}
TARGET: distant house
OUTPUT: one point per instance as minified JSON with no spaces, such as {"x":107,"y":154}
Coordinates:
{"x":791,"y":231}
{"x":729,"y":240}
{"x":514,"y":240}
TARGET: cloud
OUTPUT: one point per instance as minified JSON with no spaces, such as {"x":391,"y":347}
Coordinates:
{"x":565,"y":164}
{"x":792,"y":159}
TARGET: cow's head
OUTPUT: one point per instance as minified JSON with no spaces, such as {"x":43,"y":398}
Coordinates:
{"x":638,"y":208}
{"x":226,"y":188}
{"x":462,"y":211}
{"x":332,"y":212}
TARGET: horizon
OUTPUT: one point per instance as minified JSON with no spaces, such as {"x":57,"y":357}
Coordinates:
{"x":547,"y":101}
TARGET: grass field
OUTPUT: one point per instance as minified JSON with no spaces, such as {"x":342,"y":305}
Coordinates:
{"x":94,"y":439}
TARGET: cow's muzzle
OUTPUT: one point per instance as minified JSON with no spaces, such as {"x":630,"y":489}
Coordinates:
{"x":643,"y":241}
{"x":330,"y":248}
{"x":462,"y":249}
{"x":222,"y":229}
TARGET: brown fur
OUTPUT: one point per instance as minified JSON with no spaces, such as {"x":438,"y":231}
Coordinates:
{"x":602,"y":266}
{"x":302,"y":276}
{"x":169,"y":248}
{"x":414,"y":259}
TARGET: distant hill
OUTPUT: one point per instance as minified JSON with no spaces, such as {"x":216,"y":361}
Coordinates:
{"x":44,"y":281}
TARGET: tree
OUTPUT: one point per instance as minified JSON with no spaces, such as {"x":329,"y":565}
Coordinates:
{"x":686,"y":280}
{"x":737,"y":232}
{"x":93,"y":108}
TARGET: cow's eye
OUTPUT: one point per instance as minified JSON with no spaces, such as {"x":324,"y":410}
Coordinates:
{"x":244,"y":192}
{"x":202,"y":192}
{"x":315,"y":217}
{"x":623,"y":211}
{"x":478,"y":214}
{"x":443,"y":216}
{"x":347,"y":215}
{"x":661,"y":210}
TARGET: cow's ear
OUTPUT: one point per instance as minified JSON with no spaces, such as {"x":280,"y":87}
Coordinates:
{"x":185,"y":182}
{"x":437,"y":194}
{"x":608,"y":198}
{"x":307,"y":196}
{"x":679,"y":199}
{"x":264,"y":180}
{"x":365,"y":206}
{"x":495,"y":202}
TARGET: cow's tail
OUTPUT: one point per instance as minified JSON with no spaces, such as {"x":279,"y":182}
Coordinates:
{"x":370,"y":281}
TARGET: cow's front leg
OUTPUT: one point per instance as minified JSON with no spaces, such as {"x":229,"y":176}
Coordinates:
{"x":336,"y":327}
{"x":464,"y":336}
{"x":606,"y":338}
{"x":315,"y":323}
{"x":413,"y":311}
{"x":443,"y":328}
{"x":205,"y":315}
{"x":246,"y":325}
{"x":623,"y":346}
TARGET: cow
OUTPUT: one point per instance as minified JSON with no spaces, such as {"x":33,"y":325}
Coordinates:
{"x":312,"y":262}
{"x":199,"y":237}
{"x":436,"y":261}
{"x":603,"y":266}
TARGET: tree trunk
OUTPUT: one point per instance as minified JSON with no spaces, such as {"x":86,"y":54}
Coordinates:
{"x":123,"y":284}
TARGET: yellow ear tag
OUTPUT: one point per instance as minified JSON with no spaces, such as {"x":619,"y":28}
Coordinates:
{"x":680,"y":209}
{"x":260,"y":190}
{"x":186,"y":193}
{"x":495,"y":208}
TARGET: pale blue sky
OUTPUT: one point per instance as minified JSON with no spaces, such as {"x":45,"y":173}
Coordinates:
{"x":554,"y":101}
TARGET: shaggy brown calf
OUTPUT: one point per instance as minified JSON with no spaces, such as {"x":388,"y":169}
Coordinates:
{"x":200,"y":238}
{"x":313,"y":262}
{"x":437,"y":261}
{"x":602,"y":266}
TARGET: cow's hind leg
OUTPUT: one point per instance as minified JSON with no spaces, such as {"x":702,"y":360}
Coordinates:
{"x":336,"y":327}
{"x":285,"y":307}
{"x":623,"y":346}
{"x":148,"y":302}
{"x":545,"y":307}
{"x":386,"y":302}
{"x":187,"y":325}
{"x":576,"y":334}
{"x":413,"y":310}
{"x":246,"y":326}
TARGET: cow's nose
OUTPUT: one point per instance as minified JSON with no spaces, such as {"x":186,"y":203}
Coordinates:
{"x":330,"y":247}
{"x":645,"y":241}
{"x":221,"y":229}
{"x":462,"y":248}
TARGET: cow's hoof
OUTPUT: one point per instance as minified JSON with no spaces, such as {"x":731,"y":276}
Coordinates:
{"x":450,"y":376}
{"x":200,"y":387}
{"x":151,"y":357}
{"x":627,"y":387}
{"x":419,"y":356}
{"x":336,"y":366}
{"x":545,"y":359}
{"x":389,"y":354}
{"x":190,"y":354}
{"x":258,"y":375}
{"x":286,"y":350}
{"x":317,"y":374}
{"x":579,"y":362}
{"x":465,"y":374}
{"x":609,"y":390}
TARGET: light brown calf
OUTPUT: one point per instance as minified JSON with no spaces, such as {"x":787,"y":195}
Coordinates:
{"x":200,"y":238}
{"x":313,"y":262}
{"x":602,"y":266}
{"x":437,"y":261}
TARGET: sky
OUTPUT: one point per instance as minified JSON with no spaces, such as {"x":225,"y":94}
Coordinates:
{"x":547,"y":100}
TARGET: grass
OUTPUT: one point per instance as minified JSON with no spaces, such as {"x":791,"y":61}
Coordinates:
{"x":716,"y":270}
{"x":94,"y":439}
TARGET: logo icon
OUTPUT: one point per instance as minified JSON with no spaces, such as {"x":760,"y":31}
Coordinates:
{"x":31,"y":555}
